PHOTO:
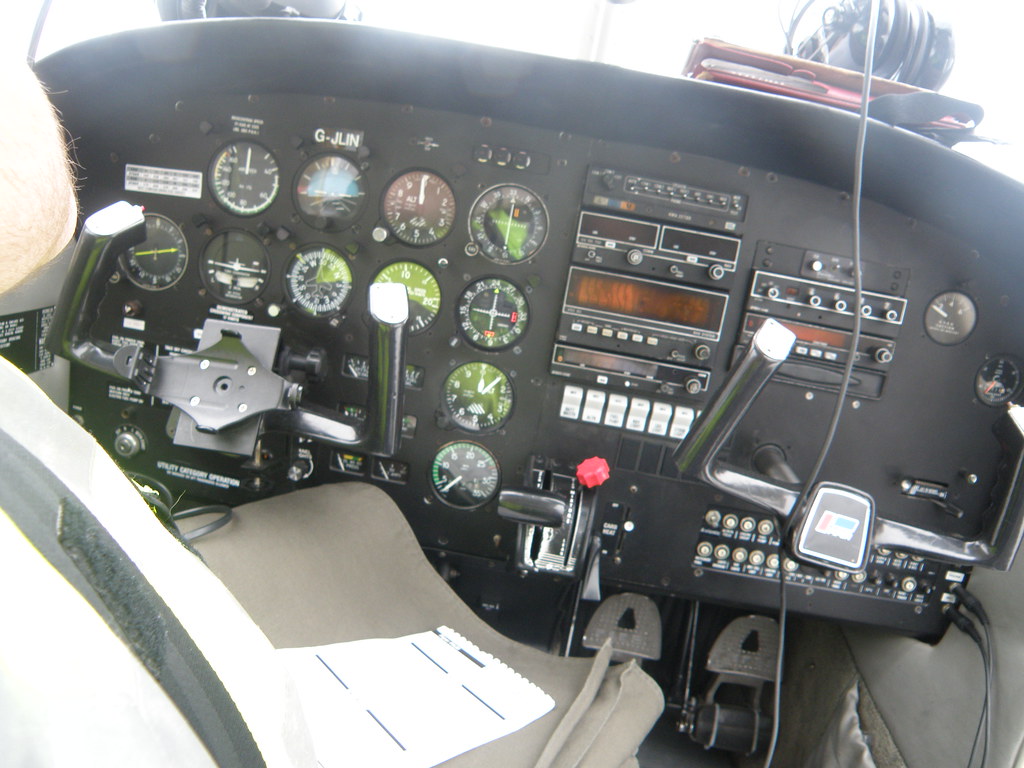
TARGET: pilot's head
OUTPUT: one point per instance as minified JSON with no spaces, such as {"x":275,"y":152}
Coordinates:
{"x":37,"y":196}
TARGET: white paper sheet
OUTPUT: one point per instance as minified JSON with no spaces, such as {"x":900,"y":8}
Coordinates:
{"x":408,"y":702}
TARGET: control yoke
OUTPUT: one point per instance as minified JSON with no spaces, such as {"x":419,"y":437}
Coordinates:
{"x":837,"y":525}
{"x":226,"y":391}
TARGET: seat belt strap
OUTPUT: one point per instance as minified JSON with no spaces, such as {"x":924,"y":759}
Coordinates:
{"x":77,"y":545}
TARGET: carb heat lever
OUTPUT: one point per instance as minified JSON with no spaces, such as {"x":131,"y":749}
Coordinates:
{"x":226,"y":390}
{"x":836,"y":527}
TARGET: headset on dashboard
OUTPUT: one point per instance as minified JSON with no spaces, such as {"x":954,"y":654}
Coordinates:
{"x":912,"y":46}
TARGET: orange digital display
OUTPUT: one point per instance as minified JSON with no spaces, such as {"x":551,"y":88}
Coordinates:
{"x":645,"y":300}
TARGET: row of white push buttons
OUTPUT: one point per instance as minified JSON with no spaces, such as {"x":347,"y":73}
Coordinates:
{"x":635,"y":414}
{"x":638,"y":338}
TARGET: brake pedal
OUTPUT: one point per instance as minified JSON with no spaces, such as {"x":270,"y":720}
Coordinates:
{"x":631,"y":622}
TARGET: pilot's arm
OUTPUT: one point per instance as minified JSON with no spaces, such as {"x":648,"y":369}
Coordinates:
{"x":37,"y":196}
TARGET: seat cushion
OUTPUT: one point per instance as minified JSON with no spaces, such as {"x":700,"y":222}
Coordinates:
{"x":339,"y":562}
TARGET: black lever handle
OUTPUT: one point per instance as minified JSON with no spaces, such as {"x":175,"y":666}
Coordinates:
{"x":205,"y":384}
{"x":697,"y":458}
{"x":104,"y":235}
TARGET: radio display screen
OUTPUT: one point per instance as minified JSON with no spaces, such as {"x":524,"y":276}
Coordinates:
{"x":645,"y":300}
{"x":586,"y":358}
{"x":698,"y":244}
{"x":811,"y":334}
{"x":619,"y":230}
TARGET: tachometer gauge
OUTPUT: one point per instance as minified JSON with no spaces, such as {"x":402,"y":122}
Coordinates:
{"x":424,"y":292}
{"x":492,"y":313}
{"x":318,"y":280}
{"x":509,"y":224}
{"x":464,"y":475}
{"x":235,"y":267}
{"x":950,"y":318}
{"x":478,"y":396}
{"x":419,"y":207}
{"x":159,"y":261}
{"x":244,"y":178}
{"x":999,"y":380}
{"x":329,"y":192}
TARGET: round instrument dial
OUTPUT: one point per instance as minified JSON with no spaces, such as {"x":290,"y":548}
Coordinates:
{"x":330,"y":192}
{"x":159,"y":261}
{"x":421,"y":285}
{"x":999,"y":380}
{"x":464,"y":475}
{"x":419,"y":207}
{"x":235,"y":267}
{"x":244,"y":178}
{"x":492,"y":313}
{"x":478,"y":396}
{"x":509,"y":224}
{"x":318,"y":280}
{"x":950,"y":318}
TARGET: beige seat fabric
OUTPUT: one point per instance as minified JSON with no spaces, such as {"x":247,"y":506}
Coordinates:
{"x":339,"y":562}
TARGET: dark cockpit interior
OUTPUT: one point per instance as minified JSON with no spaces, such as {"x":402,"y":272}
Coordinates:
{"x":588,"y":253}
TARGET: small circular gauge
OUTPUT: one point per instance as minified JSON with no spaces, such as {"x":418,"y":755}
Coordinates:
{"x":419,"y":207}
{"x":509,"y":224}
{"x":235,"y":267}
{"x":950,"y":318}
{"x":159,"y":261}
{"x":464,"y":475}
{"x":999,"y":380}
{"x":478,"y":396}
{"x":318,"y":280}
{"x":424,"y":292}
{"x":244,"y":178}
{"x":329,"y":192}
{"x":492,"y":313}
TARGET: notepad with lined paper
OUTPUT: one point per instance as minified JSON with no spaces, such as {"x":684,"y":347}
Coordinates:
{"x":408,"y":702}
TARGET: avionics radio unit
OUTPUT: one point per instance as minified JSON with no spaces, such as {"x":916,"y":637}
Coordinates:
{"x":655,"y":250}
{"x":635,"y":316}
{"x":632,"y":193}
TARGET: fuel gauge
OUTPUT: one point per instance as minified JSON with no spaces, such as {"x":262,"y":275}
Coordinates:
{"x":998,"y":380}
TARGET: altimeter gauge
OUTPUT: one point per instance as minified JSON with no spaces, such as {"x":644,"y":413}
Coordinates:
{"x":419,"y":207}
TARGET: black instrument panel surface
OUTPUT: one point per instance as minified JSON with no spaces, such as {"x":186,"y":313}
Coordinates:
{"x":479,"y":119}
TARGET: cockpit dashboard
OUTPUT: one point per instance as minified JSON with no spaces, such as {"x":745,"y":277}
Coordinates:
{"x":586,"y":250}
